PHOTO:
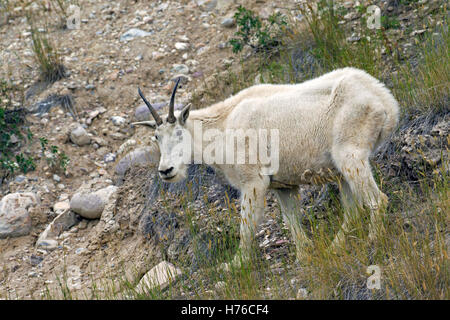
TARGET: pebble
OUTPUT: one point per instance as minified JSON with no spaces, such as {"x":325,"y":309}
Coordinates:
{"x":181,"y":46}
{"x":109,"y":157}
{"x":180,"y":69}
{"x":79,"y":136}
{"x":228,"y":23}
{"x":118,"y":121}
{"x":134,"y":33}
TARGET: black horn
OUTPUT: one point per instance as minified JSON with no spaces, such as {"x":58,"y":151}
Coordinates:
{"x":171,"y":117}
{"x":153,"y":111}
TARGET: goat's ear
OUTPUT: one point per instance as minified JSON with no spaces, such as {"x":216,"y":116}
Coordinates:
{"x":184,"y":114}
{"x":151,"y":124}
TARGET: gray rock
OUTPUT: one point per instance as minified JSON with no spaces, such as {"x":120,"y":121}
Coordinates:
{"x":142,"y":113}
{"x":91,"y":205}
{"x":140,"y":156}
{"x":109,"y":157}
{"x":180,"y":69}
{"x":228,"y":23}
{"x":64,"y":221}
{"x":160,"y":276}
{"x":79,"y":136}
{"x":118,"y":121}
{"x":134,"y":33}
{"x":48,"y":244}
{"x":15,"y":219}
{"x":20,"y":179}
{"x":181,"y":46}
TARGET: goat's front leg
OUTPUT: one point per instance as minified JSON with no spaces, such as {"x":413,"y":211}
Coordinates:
{"x":252,"y":212}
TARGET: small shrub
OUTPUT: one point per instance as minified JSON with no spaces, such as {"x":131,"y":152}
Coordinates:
{"x":56,"y":159}
{"x":46,"y":56}
{"x":253,"y":32}
{"x":11,"y":134}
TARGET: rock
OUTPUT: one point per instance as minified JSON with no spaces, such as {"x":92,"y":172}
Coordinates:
{"x":20,"y":179}
{"x":91,"y":205}
{"x":180,"y":69}
{"x":79,"y":136}
{"x":302,"y":293}
{"x":181,"y":46}
{"x":15,"y":219}
{"x":140,"y":156}
{"x":56,"y":178}
{"x":159,"y":276}
{"x":197,"y":74}
{"x":58,"y":207}
{"x":118,"y":121}
{"x":35,"y":260}
{"x":109,"y":157}
{"x":353,"y":38}
{"x":47,"y":244}
{"x":64,"y":221}
{"x":142,"y":113}
{"x":134,"y":33}
{"x":228,"y":23}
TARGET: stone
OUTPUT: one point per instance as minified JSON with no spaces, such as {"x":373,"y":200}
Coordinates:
{"x":15,"y":220}
{"x":142,"y":113}
{"x":109,"y":157}
{"x":134,"y":33}
{"x":64,"y":221}
{"x":228,"y":23}
{"x":118,"y":121}
{"x":181,"y":46}
{"x":91,"y":205}
{"x":180,"y":69}
{"x":58,"y":207}
{"x":140,"y":156}
{"x":159,"y":276}
{"x":302,"y":293}
{"x":79,"y":136}
{"x":353,"y":38}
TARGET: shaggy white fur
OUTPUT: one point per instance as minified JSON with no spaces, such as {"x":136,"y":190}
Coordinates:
{"x":328,"y":128}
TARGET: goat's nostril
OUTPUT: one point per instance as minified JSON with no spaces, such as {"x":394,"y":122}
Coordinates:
{"x":166,"y":172}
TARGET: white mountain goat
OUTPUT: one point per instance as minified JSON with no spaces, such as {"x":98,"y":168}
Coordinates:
{"x":328,"y":127}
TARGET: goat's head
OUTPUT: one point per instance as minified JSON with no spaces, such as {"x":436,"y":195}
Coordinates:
{"x":170,"y":135}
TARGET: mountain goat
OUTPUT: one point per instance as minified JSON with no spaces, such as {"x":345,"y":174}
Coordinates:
{"x":328,"y":127}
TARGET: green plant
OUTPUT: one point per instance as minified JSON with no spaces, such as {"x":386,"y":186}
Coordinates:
{"x":46,"y":56}
{"x":390,"y":22}
{"x":253,"y":32}
{"x":12,"y":134}
{"x":55,"y":158}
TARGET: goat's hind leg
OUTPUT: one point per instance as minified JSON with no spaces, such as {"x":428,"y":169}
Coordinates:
{"x":291,"y":215}
{"x":360,"y":189}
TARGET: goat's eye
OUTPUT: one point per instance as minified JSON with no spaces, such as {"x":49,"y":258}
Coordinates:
{"x":157,"y":137}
